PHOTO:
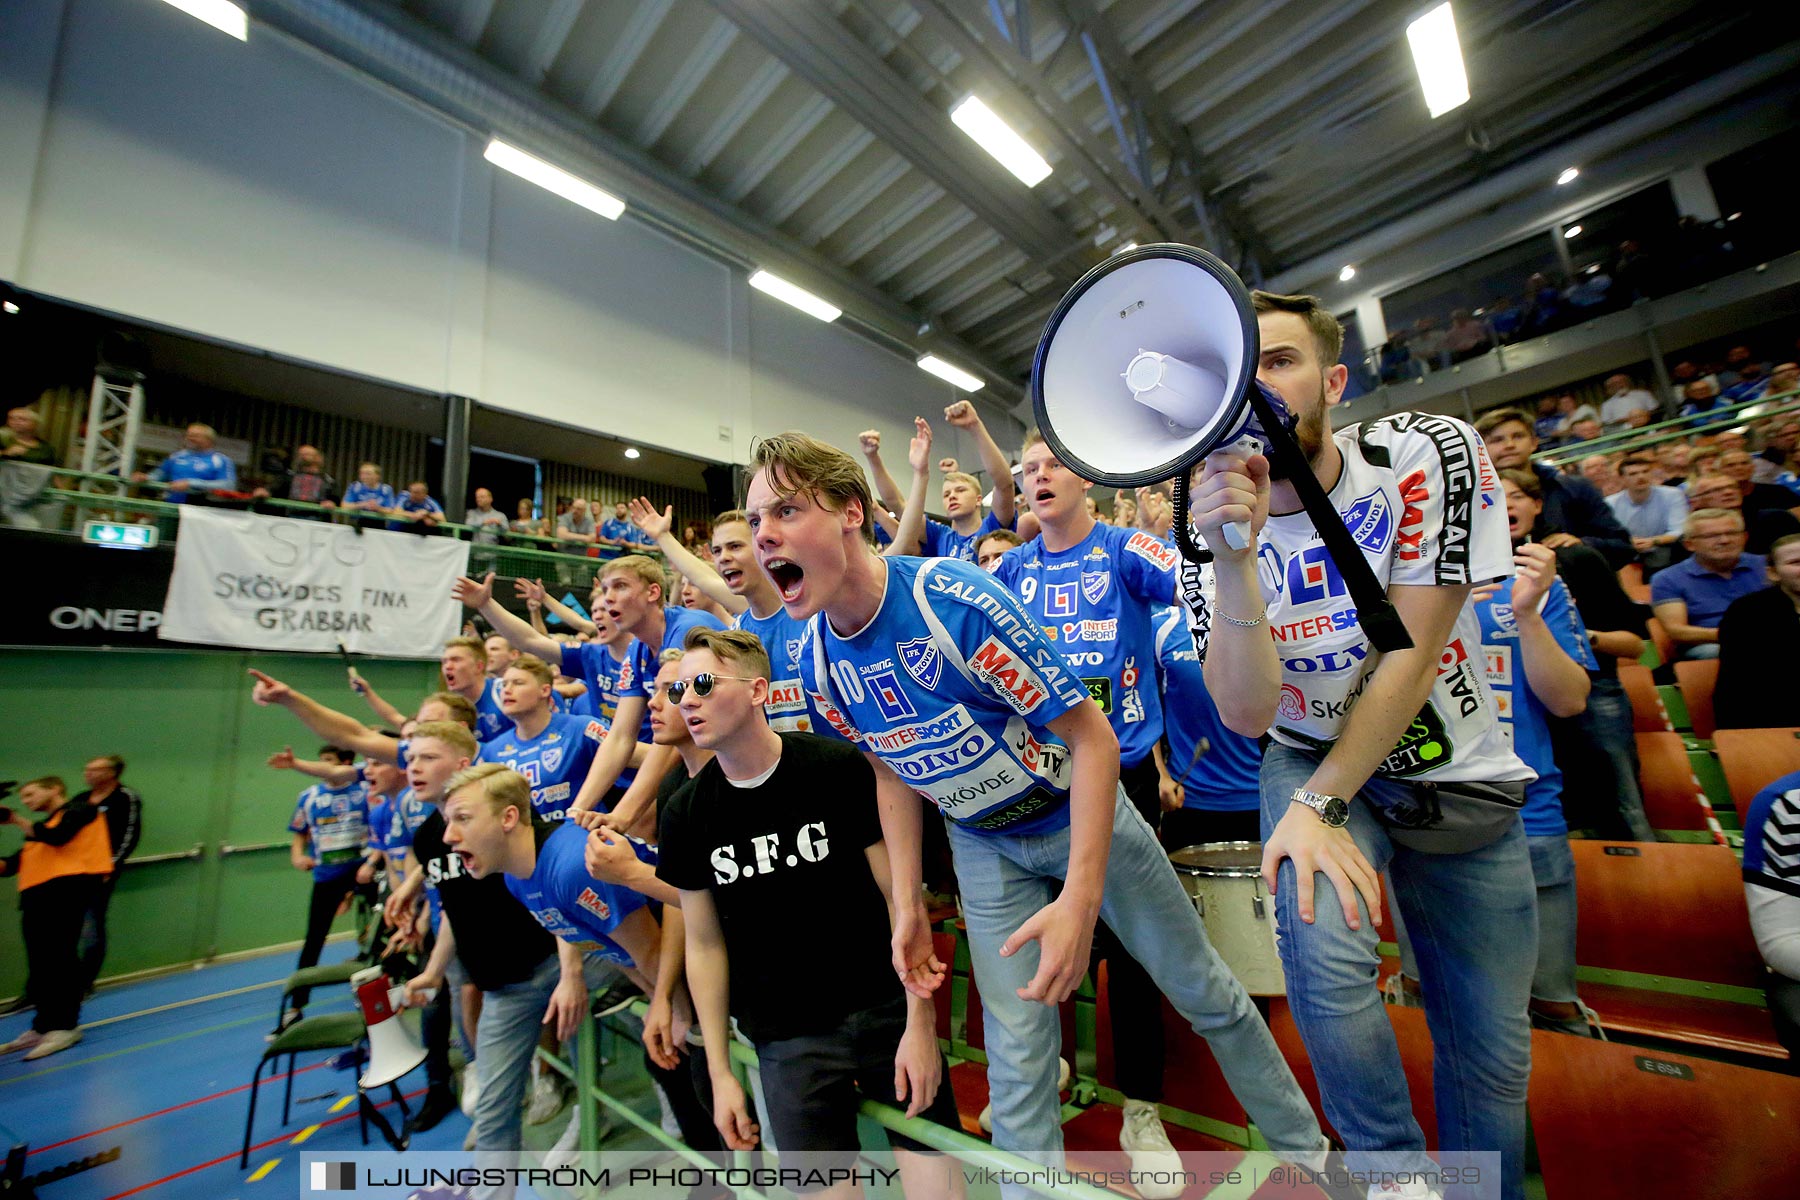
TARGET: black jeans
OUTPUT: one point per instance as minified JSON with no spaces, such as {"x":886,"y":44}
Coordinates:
{"x":93,"y":930}
{"x":1784,"y":1008}
{"x":321,"y":910}
{"x":50,"y":915}
{"x":1136,"y":1002}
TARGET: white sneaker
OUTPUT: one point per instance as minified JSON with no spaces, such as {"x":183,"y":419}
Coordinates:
{"x":567,"y":1151}
{"x":1412,"y":1189}
{"x":1063,"y":1075}
{"x":471,"y":1090}
{"x":25,"y":1041}
{"x":547,"y":1097}
{"x":469,"y":1138}
{"x":55,"y":1040}
{"x":1155,"y":1166}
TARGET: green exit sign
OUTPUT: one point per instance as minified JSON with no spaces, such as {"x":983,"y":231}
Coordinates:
{"x":119,"y":536}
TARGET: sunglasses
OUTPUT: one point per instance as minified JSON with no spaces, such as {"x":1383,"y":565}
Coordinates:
{"x":702,"y":685}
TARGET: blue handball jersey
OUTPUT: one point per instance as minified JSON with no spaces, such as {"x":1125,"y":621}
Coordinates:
{"x":942,"y":541}
{"x":337,"y":822}
{"x":954,"y":686}
{"x":490,"y":720}
{"x":594,"y":665}
{"x":555,"y":762}
{"x":1222,"y":777}
{"x":1523,"y":717}
{"x":788,"y":709}
{"x":572,"y":904}
{"x":1772,"y":837}
{"x":638,"y":673}
{"x":1096,"y":600}
{"x":381,"y":819}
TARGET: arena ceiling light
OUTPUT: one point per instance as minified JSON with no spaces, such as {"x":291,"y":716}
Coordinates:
{"x":220,"y":14}
{"x":1438,"y":57}
{"x":1572,"y":232}
{"x":632,"y":452}
{"x":1569,"y":175}
{"x":955,"y":376}
{"x":1347,"y":274}
{"x":554,"y":179}
{"x":800,"y":298}
{"x":998,"y":139}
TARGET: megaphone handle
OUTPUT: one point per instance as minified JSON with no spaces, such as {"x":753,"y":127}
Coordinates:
{"x":1237,"y":534}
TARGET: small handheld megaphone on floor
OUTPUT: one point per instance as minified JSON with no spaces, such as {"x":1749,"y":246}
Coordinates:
{"x":1148,"y":366}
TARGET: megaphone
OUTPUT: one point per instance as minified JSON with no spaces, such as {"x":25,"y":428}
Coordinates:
{"x":393,"y":1048}
{"x":1147,"y":366}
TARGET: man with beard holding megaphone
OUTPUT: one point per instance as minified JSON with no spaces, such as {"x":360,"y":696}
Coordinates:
{"x":1380,"y":760}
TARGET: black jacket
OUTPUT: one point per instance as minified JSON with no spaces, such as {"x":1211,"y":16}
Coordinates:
{"x":1574,"y":505}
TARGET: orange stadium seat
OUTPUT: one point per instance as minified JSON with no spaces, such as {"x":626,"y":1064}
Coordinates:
{"x":1675,"y":911}
{"x":1617,"y":1120}
{"x":1672,"y":796}
{"x":1647,"y":712}
{"x":1697,"y":680}
{"x":1754,"y":758}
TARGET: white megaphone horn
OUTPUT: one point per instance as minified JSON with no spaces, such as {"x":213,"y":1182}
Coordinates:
{"x":1148,"y":366}
{"x":393,"y":1047}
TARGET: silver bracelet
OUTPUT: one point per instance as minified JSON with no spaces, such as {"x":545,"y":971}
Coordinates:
{"x":1231,"y":620}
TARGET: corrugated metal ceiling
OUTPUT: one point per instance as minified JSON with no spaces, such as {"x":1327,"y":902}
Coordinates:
{"x":1267,"y":130}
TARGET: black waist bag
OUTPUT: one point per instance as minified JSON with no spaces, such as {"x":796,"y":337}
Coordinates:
{"x":1452,"y":818}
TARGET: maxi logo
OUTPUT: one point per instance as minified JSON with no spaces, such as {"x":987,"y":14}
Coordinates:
{"x":1153,"y":549}
{"x":958,"y":755}
{"x":1370,"y":521}
{"x":884,"y":688}
{"x":1016,"y":682}
{"x":593,"y":903}
{"x":922,"y":661}
{"x":1312,"y":576}
{"x":785,"y":696}
{"x":1059,"y":599}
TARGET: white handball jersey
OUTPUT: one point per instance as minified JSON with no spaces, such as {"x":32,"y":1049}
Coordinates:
{"x":1421,"y":499}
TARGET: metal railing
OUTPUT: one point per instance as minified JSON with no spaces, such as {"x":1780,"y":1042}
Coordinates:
{"x":79,"y":497}
{"x":1713,"y":420}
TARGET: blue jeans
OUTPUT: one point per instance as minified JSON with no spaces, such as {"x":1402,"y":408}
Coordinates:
{"x":1473,"y":920}
{"x":1610,"y":780}
{"x":1553,"y":868}
{"x":506,"y":1038}
{"x":1005,"y":879}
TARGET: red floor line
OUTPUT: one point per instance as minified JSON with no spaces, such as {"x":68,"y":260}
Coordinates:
{"x":144,"y":1187}
{"x":242,"y":1087}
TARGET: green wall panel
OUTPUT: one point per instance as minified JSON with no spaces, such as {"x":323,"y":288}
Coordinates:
{"x":195,"y":746}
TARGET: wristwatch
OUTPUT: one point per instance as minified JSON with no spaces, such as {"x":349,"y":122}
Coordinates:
{"x":1333,"y":810}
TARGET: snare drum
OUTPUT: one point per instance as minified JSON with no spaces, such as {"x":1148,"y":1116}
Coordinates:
{"x":1225,"y":881}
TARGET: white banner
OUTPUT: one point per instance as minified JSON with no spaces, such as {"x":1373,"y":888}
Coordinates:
{"x":271,"y":583}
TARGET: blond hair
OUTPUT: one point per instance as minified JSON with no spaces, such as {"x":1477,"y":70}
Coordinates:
{"x":730,"y":515}
{"x":739,"y":647}
{"x":1691,"y":527}
{"x":951,"y":477}
{"x":535,"y":667}
{"x":640,"y":565}
{"x":1033,"y":435}
{"x":1327,"y":333}
{"x":462,"y":709}
{"x":501,"y":786}
{"x":455,"y":736}
{"x":473,"y":645}
{"x":797,"y":462}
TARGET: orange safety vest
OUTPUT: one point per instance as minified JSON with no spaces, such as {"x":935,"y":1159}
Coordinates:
{"x":87,"y":853}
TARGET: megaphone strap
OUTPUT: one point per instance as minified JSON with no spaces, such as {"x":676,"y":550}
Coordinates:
{"x":1374,"y":611}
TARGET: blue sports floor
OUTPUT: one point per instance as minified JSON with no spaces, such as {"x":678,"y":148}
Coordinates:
{"x":162,"y":1073}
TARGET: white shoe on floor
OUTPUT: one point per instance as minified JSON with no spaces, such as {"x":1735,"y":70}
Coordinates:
{"x":1155,"y":1166}
{"x":471,"y":1090}
{"x":1063,"y":1075}
{"x":469,"y":1138}
{"x":25,"y":1041}
{"x":567,"y":1151}
{"x":547,"y":1097}
{"x":55,"y":1040}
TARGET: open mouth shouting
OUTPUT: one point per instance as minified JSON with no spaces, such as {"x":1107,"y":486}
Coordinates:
{"x":788,"y":577}
{"x":734,"y":578}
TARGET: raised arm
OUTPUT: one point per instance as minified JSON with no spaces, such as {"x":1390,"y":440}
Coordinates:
{"x":962,"y":414}
{"x":886,"y":490}
{"x":328,"y":725}
{"x":335,"y":775}
{"x":911,"y":531}
{"x":699,"y":572}
{"x":709,"y":982}
{"x":614,"y":754}
{"x":1559,"y":682}
{"x":480,"y":597}
{"x":536,"y":596}
{"x":384,"y":712}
